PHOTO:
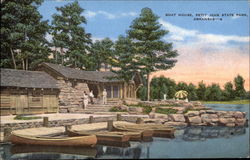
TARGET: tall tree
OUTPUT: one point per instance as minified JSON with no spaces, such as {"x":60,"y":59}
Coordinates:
{"x":70,"y":36}
{"x":123,"y":59}
{"x":201,"y":91}
{"x":152,"y":53}
{"x":240,"y":91}
{"x":23,"y":34}
{"x":228,"y":92}
{"x":102,"y":52}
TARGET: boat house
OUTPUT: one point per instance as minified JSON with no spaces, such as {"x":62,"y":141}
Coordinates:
{"x":73,"y":82}
{"x":27,"y":92}
{"x":56,"y":88}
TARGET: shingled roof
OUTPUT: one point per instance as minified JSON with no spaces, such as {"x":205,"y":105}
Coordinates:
{"x":72,"y":73}
{"x":26,"y":79}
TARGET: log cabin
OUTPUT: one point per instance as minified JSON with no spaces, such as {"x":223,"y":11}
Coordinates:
{"x":27,"y":92}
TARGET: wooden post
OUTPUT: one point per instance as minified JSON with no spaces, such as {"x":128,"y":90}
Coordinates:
{"x":110,"y":125}
{"x":119,"y":117}
{"x":91,"y":119}
{"x":139,"y":120}
{"x":45,"y":121}
{"x":6,"y":134}
{"x":67,"y":128}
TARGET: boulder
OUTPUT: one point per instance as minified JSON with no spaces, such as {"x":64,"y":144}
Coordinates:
{"x":209,"y":118}
{"x":230,"y":124}
{"x":240,"y":121}
{"x":238,"y":114}
{"x":202,"y":112}
{"x":192,"y":113}
{"x":162,"y":116}
{"x":225,"y":121}
{"x":177,"y":117}
{"x":136,"y":109}
{"x":211,"y":111}
{"x":151,"y":115}
{"x":183,"y":124}
{"x":194,"y":120}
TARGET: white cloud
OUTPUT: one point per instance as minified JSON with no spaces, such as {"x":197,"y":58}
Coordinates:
{"x":182,"y":35}
{"x":91,"y":14}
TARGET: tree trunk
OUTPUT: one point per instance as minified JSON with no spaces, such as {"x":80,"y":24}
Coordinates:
{"x":148,"y":87}
{"x":23,"y":64}
{"x":13,"y":58}
{"x":27,"y":64}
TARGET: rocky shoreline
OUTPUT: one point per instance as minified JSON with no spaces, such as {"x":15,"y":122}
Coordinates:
{"x":192,"y":114}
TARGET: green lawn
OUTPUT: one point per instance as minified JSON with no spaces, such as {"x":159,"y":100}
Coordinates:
{"x":227,"y":102}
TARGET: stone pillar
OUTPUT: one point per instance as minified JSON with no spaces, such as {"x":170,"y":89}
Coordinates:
{"x":119,"y":117}
{"x":110,"y":125}
{"x":45,"y":121}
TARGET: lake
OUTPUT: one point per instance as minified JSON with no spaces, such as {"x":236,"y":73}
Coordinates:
{"x":189,"y":142}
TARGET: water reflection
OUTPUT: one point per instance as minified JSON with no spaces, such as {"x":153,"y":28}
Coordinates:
{"x":193,"y":139}
{"x":203,"y":133}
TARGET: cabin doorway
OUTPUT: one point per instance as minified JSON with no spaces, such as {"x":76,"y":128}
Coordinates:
{"x":94,"y":88}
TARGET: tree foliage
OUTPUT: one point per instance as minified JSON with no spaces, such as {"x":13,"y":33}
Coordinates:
{"x":240,"y":91}
{"x":152,"y":53}
{"x":123,"y":58}
{"x":23,"y":43}
{"x":102,"y":53}
{"x":69,"y":35}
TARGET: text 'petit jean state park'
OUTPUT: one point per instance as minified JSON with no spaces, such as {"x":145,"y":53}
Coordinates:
{"x":74,"y":95}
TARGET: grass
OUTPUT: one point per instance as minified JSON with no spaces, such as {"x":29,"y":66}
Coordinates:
{"x":115,"y":109}
{"x":165,"y":110}
{"x":245,"y":101}
{"x":22,"y":117}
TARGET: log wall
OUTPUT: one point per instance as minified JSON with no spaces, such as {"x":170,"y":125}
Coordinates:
{"x":28,"y":101}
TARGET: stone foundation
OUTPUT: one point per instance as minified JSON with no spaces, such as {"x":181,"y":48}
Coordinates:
{"x":71,"y":94}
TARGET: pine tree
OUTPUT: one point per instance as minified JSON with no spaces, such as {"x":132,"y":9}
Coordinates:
{"x":152,"y":53}
{"x":102,"y":52}
{"x":23,"y":34}
{"x":123,"y":59}
{"x":70,"y":36}
{"x":240,"y":91}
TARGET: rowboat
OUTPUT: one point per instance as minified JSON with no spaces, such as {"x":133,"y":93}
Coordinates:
{"x":84,"y":141}
{"x":25,"y":149}
{"x":146,"y":135}
{"x":103,"y":137}
{"x":156,"y":129}
{"x":133,"y":136}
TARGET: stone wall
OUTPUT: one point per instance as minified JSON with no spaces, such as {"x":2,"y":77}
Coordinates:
{"x":71,"y":94}
{"x":202,"y":118}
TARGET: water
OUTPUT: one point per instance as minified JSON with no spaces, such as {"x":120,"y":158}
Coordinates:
{"x":189,"y":142}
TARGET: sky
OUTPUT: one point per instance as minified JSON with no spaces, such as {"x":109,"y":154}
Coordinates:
{"x":214,"y":51}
